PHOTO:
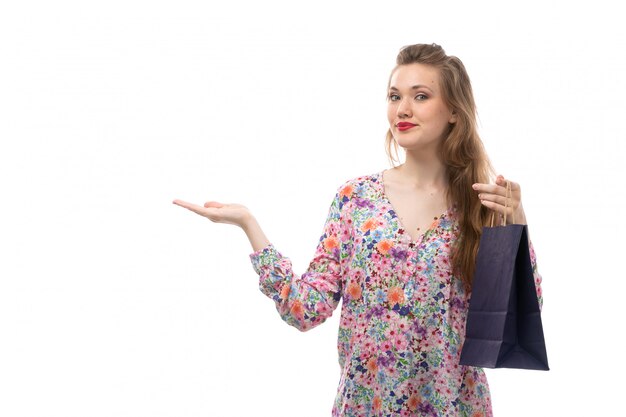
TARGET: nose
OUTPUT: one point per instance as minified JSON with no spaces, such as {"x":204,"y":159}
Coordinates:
{"x":404,"y":108}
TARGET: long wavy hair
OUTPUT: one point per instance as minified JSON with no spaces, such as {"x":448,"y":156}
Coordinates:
{"x":461,"y":151}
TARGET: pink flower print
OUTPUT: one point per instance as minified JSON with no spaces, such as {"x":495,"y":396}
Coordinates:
{"x":323,"y":308}
{"x":402,"y":325}
{"x":400,"y":342}
{"x":391,"y":332}
{"x":443,"y":262}
{"x":385,"y":264}
{"x":386,"y":345}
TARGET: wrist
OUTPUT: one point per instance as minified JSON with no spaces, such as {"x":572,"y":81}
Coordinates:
{"x":248,"y":222}
{"x":519,"y":217}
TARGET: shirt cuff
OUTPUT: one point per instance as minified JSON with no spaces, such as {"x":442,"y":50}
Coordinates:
{"x":264,"y":257}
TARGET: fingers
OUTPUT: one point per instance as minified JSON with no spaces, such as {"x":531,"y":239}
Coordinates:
{"x":190,"y":206}
{"x":494,"y":196}
{"x":501,"y":181}
{"x":499,"y":188}
{"x":498,"y":208}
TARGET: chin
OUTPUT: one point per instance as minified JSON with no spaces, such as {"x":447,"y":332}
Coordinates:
{"x":415,"y":144}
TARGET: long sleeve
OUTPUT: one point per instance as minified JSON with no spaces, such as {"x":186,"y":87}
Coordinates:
{"x":308,"y":300}
{"x":536,"y":275}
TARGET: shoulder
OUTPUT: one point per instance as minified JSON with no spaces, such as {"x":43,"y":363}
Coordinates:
{"x":357,"y":187}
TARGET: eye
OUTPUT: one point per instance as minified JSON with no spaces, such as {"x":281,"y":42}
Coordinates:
{"x":392,"y":95}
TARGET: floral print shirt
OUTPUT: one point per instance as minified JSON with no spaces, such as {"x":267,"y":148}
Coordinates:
{"x":403,"y":313}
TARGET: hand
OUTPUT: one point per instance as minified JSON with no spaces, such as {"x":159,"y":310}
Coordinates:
{"x":493,"y":196}
{"x":219,"y":213}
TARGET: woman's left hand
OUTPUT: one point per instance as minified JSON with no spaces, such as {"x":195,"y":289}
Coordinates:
{"x":493,"y":197}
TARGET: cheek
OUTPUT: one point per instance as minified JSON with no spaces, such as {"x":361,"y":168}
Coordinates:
{"x":434,"y":117}
{"x":443,"y":115}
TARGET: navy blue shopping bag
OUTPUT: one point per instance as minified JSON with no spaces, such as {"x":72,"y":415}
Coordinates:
{"x":503,"y":327}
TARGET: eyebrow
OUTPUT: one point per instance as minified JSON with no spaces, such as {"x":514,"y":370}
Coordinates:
{"x":415,"y":87}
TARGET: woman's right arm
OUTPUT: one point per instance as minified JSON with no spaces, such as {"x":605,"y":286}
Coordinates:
{"x":255,"y":234}
{"x":308,"y":300}
{"x":302,"y":301}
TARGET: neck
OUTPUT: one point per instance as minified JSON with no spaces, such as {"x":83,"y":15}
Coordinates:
{"x":423,"y":172}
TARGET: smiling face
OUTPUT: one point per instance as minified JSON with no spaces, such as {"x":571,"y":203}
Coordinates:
{"x":414,"y":97}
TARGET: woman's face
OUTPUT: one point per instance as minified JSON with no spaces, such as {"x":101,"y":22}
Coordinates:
{"x":414,"y":97}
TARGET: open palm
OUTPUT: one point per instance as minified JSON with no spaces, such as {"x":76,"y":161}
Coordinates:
{"x":218,"y":212}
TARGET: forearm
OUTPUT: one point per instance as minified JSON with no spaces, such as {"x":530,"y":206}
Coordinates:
{"x":307,"y":300}
{"x":255,"y":234}
{"x":304,"y":301}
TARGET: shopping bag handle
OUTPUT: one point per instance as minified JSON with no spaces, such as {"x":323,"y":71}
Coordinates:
{"x":506,"y":203}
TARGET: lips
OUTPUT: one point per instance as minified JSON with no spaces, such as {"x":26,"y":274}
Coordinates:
{"x":402,"y":126}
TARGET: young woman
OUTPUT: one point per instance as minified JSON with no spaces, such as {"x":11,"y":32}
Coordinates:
{"x":399,"y":247}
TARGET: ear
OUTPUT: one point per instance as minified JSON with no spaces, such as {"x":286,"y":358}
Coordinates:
{"x":452,"y":118}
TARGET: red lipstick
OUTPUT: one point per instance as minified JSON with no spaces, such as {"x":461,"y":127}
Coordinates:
{"x":405,"y":126}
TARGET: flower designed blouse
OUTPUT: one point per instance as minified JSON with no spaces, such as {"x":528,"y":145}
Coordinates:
{"x":403,"y":313}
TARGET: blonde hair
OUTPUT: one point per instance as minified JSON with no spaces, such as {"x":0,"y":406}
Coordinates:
{"x":462,"y":152}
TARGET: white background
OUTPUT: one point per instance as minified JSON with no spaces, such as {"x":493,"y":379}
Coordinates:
{"x":115,"y":302}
